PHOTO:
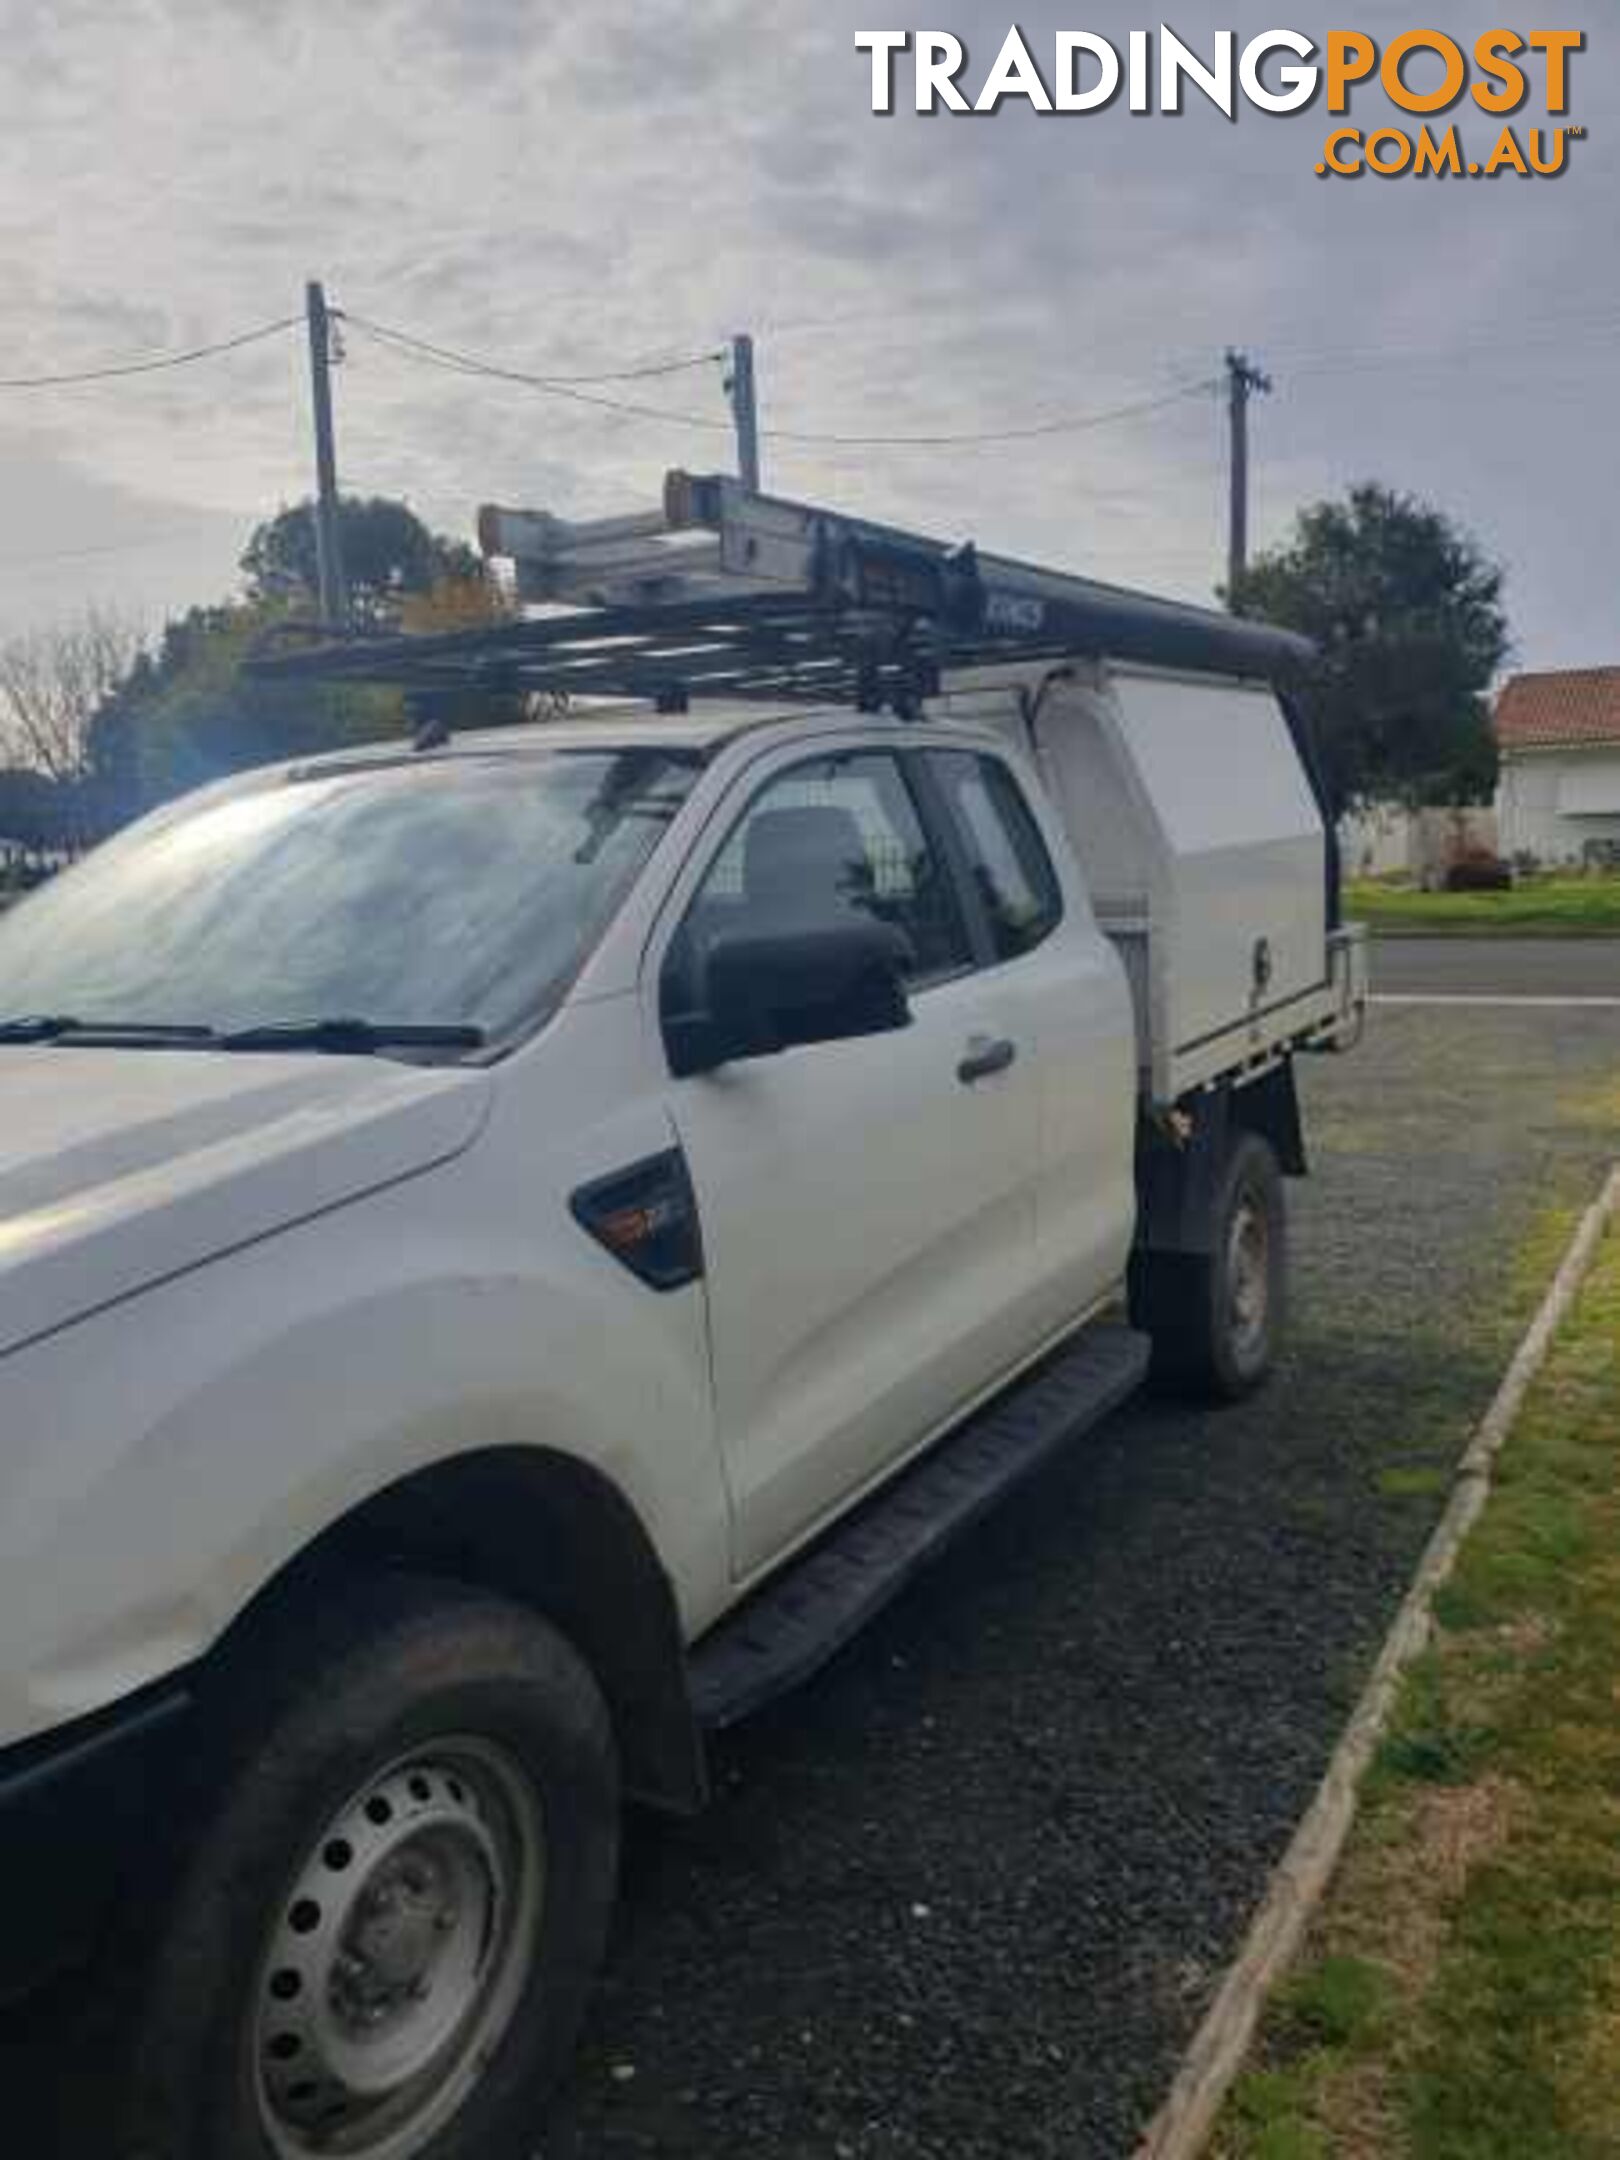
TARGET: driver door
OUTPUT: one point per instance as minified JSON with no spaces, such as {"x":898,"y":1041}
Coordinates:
{"x":867,"y":1206}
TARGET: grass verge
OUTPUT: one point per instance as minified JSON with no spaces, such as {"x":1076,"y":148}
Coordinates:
{"x":1460,"y":1994}
{"x":1543,"y":907}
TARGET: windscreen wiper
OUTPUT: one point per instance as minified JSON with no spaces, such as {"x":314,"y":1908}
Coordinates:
{"x":35,"y":1027}
{"x":345,"y":1035}
{"x":127,"y":1034}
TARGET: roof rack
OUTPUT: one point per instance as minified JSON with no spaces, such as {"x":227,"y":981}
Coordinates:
{"x":722,"y":592}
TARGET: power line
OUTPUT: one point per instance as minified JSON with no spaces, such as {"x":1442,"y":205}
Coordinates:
{"x":1476,"y":348}
{"x":1306,"y":361}
{"x":426,"y":352}
{"x":635,"y":371}
{"x":113,"y":371}
{"x":153,"y":366}
{"x":1069,"y":423}
{"x":1060,"y":424}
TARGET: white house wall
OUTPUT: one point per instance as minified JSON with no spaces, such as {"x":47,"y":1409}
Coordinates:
{"x":1549,"y":802}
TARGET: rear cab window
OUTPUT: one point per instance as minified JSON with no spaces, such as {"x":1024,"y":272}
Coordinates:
{"x":1005,"y":853}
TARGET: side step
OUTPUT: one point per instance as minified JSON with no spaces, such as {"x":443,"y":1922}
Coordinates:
{"x":791,"y":1627}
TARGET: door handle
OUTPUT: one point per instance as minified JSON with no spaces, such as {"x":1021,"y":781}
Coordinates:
{"x":984,"y":1055}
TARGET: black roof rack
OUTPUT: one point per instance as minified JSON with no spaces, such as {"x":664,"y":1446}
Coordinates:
{"x":726,"y":593}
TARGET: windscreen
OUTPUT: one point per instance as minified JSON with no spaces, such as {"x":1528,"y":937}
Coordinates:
{"x":458,"y":892}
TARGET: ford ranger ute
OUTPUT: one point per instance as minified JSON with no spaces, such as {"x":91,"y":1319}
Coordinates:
{"x":513,"y":1244}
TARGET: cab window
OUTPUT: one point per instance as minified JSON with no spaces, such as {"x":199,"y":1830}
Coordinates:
{"x":829,"y":836}
{"x":1006,"y":856}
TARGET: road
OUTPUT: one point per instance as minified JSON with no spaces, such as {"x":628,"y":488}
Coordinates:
{"x":1507,"y":967}
{"x":966,"y":1896}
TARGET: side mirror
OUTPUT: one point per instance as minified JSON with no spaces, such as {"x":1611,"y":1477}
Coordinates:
{"x":762,"y":991}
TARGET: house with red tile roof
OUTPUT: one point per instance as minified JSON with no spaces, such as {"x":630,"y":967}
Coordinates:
{"x":1558,"y":798}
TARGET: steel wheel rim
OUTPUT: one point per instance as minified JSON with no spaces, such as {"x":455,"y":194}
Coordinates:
{"x":398,"y":1955}
{"x":1248,"y":1277}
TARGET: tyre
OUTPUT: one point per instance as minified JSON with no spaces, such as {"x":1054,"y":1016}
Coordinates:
{"x":396,"y":1895}
{"x":1216,"y":1318}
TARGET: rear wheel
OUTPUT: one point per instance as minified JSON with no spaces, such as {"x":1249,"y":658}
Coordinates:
{"x":1216,"y":1316}
{"x":384,"y":1939}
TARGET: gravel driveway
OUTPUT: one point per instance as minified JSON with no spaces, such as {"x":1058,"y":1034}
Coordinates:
{"x":966,"y":1895}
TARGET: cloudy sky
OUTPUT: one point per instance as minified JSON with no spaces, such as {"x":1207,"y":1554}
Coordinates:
{"x":568,"y":186}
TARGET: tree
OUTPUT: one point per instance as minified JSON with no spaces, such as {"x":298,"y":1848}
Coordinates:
{"x":53,"y":684}
{"x":31,"y":820}
{"x":457,"y":599}
{"x":186,"y":712}
{"x":108,"y":726}
{"x":1405,"y":612}
{"x":461,"y":602}
{"x":387,"y":553}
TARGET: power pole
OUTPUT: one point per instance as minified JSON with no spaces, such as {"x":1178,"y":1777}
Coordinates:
{"x":1244,"y":380}
{"x":740,"y":389}
{"x":328,"y":541}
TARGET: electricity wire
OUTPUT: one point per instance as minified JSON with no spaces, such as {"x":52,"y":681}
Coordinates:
{"x":116,"y":370}
{"x":1061,"y":424}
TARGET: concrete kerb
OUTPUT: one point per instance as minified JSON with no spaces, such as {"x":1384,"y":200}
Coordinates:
{"x":1182,"y":2126}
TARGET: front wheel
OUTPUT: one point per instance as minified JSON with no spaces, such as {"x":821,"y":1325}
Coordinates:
{"x":1216,"y":1317}
{"x":383,"y":1941}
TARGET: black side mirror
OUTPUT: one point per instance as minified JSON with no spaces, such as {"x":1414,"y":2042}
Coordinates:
{"x":762,"y":991}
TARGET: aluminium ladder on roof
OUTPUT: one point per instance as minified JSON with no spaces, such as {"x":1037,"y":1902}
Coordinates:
{"x":723,"y":592}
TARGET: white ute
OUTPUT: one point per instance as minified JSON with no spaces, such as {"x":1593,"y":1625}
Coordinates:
{"x":511,"y":1247}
